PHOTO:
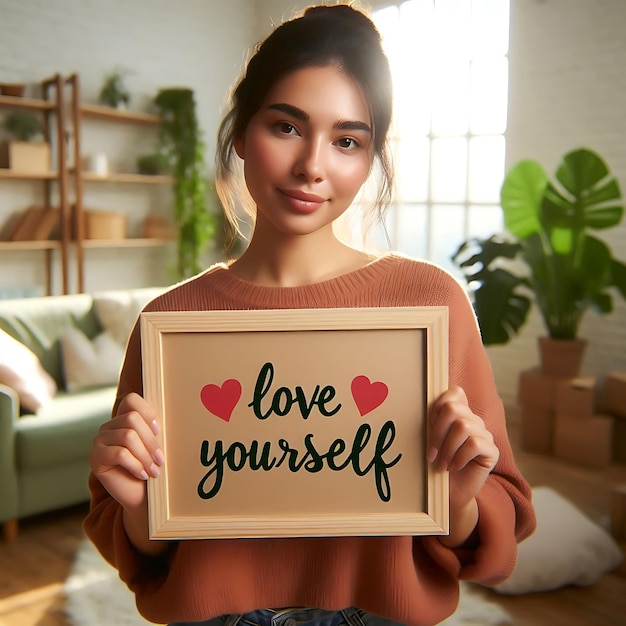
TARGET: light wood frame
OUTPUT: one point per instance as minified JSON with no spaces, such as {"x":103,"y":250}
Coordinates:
{"x":179,"y":347}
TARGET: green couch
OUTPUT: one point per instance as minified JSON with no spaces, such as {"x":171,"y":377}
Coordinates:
{"x":44,"y":459}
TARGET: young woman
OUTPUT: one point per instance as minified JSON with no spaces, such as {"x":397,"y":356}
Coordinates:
{"x":309,"y":123}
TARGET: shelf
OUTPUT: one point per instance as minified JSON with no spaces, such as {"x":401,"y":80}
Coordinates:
{"x":97,"y":111}
{"x":13,"y":175}
{"x":139,"y":242}
{"x":122,"y":177}
{"x":33,"y":104}
{"x":44,"y":244}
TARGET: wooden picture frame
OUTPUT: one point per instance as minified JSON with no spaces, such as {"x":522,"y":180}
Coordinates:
{"x":309,"y":422}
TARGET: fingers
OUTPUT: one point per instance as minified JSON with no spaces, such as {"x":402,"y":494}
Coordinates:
{"x":457,"y":435}
{"x":129,"y":441}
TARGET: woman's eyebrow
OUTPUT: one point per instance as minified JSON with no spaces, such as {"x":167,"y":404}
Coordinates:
{"x":303,"y":116}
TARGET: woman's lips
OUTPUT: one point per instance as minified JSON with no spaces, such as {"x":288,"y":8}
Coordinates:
{"x":302,"y":202}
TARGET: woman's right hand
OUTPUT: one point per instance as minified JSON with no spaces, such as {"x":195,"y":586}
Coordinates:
{"x":126,"y":452}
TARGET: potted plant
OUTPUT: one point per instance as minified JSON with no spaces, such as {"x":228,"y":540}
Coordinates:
{"x":549,"y":256}
{"x":26,"y":151}
{"x":182,"y":144}
{"x":114,"y":92}
{"x":152,"y":164}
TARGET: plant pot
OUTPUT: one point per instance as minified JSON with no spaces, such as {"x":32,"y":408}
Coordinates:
{"x":561,"y":358}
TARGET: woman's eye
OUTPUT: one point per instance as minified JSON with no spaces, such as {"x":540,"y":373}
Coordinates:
{"x":347,"y":143}
{"x":286,"y":128}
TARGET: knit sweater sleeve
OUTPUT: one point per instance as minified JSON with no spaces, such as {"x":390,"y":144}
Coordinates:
{"x":104,"y":523}
{"x":505,"y":511}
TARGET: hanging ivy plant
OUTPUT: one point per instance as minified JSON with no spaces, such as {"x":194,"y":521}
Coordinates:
{"x":182,"y":144}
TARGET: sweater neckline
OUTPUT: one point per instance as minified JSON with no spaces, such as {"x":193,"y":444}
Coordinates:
{"x":300,"y":295}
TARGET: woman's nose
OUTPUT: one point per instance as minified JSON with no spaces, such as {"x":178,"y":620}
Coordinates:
{"x":310,"y":163}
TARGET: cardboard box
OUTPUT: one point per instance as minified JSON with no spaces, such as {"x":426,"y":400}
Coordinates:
{"x":104,"y":225}
{"x":619,"y":440}
{"x":537,"y":430}
{"x":615,"y":394}
{"x":575,"y":397}
{"x":536,"y":390}
{"x":587,"y":441}
{"x":26,"y":156}
{"x":618,"y":513}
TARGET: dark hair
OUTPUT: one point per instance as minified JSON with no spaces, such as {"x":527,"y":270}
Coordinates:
{"x":337,"y":35}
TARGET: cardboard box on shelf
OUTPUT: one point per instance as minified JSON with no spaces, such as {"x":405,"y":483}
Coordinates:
{"x":586,"y":441}
{"x":29,"y":157}
{"x":104,"y":225}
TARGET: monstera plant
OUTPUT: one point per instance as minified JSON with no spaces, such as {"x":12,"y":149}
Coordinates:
{"x":549,"y":256}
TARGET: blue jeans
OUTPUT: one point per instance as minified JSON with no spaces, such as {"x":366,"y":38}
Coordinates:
{"x":296,"y":617}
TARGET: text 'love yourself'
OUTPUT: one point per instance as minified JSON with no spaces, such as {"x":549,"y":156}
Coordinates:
{"x":361,"y":456}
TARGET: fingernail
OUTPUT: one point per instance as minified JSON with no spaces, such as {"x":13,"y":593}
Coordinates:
{"x":155,"y":427}
{"x":432,"y":454}
{"x":158,"y":456}
{"x":144,"y":475}
{"x":154,"y":471}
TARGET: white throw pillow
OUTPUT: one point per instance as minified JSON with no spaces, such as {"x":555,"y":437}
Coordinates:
{"x":90,"y":363}
{"x":566,"y":549}
{"x":21,"y":370}
{"x":118,"y":310}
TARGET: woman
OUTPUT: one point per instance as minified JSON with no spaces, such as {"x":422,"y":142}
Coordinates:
{"x":309,"y":122}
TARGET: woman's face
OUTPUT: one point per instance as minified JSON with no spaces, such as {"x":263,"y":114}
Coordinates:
{"x":308,"y":150}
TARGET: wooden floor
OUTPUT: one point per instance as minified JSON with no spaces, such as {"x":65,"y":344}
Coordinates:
{"x":33,"y":569}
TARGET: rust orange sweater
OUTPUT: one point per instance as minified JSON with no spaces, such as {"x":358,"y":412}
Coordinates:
{"x":412,"y":580}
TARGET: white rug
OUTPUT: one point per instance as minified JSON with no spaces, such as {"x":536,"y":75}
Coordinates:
{"x":96,"y":597}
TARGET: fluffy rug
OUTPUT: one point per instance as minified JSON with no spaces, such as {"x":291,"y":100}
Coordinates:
{"x":96,"y":596}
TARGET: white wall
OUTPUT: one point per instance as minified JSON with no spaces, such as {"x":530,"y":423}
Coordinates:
{"x":568,"y":90}
{"x":191,"y":43}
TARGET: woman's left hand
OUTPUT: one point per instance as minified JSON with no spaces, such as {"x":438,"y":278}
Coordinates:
{"x":460,"y":443}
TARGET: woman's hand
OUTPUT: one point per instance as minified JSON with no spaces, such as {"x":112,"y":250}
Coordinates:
{"x":126,"y":452}
{"x":460,"y":443}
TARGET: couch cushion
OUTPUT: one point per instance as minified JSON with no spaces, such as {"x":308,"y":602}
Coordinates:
{"x":64,"y":431}
{"x":118,"y":310}
{"x":21,"y":370}
{"x":87,"y":363}
{"x":39,"y":322}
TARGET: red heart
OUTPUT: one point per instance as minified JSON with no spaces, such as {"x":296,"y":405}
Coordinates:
{"x":221,"y":401}
{"x":367,"y":395}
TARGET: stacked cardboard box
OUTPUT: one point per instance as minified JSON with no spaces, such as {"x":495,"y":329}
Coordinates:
{"x":560,"y":417}
{"x":582,"y":435}
{"x":615,"y":405}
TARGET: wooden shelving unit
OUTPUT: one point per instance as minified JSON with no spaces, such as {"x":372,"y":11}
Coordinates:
{"x":11,"y":175}
{"x":137,"y":242}
{"x":99,"y":112}
{"x":123,"y":177}
{"x":82,"y":113}
{"x":51,"y":107}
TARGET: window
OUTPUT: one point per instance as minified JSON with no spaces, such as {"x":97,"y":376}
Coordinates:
{"x":450,"y":73}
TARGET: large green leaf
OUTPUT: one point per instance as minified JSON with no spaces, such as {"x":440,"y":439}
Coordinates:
{"x":499,"y":300}
{"x":587,"y":198}
{"x":618,"y":276}
{"x":521,"y":196}
{"x":500,"y":308}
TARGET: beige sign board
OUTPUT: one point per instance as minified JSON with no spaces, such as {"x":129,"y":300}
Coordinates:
{"x":304,"y":422}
